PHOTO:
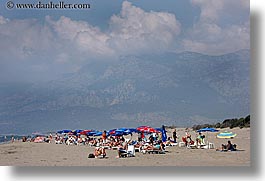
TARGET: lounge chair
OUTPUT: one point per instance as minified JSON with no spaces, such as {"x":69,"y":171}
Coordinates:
{"x":155,"y":151}
{"x":130,"y":152}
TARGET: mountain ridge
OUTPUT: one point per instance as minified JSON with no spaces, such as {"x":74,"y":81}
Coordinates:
{"x":172,"y":88}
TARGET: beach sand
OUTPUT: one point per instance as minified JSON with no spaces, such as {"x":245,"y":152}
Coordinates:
{"x":50,"y":154}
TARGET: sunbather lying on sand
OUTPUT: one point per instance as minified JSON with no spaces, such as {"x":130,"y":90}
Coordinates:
{"x":159,"y":146}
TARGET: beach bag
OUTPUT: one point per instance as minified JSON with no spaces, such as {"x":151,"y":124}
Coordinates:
{"x":91,"y":155}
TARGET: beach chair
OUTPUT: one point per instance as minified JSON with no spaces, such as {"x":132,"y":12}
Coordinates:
{"x":131,"y":151}
{"x":174,"y":144}
{"x":193,"y":146}
{"x":156,"y":151}
{"x":123,"y":153}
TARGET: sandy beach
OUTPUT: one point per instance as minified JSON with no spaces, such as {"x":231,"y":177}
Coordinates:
{"x":51,"y":154}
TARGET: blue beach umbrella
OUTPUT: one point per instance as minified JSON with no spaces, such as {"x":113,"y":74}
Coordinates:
{"x":133,"y":130}
{"x":92,"y":133}
{"x":78,"y":130}
{"x":128,"y":131}
{"x":64,"y":131}
{"x":121,"y":129}
{"x":207,"y":130}
{"x":99,"y":133}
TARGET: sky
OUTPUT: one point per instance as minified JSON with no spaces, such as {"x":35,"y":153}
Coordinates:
{"x":42,"y":44}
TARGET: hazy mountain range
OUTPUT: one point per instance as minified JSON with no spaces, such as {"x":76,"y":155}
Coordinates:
{"x":180,"y":89}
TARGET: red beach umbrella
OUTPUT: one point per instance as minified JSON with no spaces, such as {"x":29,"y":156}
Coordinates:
{"x":85,"y":132}
{"x":147,"y":129}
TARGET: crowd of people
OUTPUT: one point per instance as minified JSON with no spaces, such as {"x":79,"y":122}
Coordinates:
{"x":144,"y":143}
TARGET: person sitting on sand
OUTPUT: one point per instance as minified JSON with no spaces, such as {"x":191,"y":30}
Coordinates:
{"x":100,"y":151}
{"x":227,"y":147}
{"x":230,"y":146}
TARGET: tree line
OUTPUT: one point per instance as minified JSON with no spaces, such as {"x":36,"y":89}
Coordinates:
{"x":231,"y":123}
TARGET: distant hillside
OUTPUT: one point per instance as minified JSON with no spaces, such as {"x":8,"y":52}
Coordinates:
{"x":181,"y":89}
{"x":231,"y":123}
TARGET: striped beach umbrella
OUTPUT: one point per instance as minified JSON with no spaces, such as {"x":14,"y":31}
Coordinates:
{"x":226,"y":134}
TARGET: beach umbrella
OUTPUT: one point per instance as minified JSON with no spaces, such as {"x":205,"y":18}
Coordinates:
{"x":207,"y":130}
{"x":226,"y":135}
{"x":124,"y":131}
{"x":84,"y":132}
{"x":111,"y":132}
{"x":78,"y":131}
{"x":147,"y":129}
{"x":164,"y":133}
{"x":128,"y":131}
{"x":64,"y":131}
{"x":92,"y":133}
{"x":120,"y":129}
{"x":159,"y":129}
{"x":133,"y":130}
{"x":118,"y":134}
{"x":99,"y":133}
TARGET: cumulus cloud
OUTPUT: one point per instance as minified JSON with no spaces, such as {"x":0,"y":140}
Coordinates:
{"x":215,"y":11}
{"x":81,"y":37}
{"x":64,"y":45}
{"x":134,"y":30}
{"x":223,"y":27}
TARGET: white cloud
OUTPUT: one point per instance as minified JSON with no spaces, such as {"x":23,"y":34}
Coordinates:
{"x":3,"y":20}
{"x":213,"y":11}
{"x":216,"y":31}
{"x":65,"y":44}
{"x":134,"y":30}
{"x":84,"y":38}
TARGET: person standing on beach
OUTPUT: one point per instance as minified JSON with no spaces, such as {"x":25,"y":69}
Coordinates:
{"x":104,"y":136}
{"x":159,"y":136}
{"x":139,"y":136}
{"x":174,"y":135}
